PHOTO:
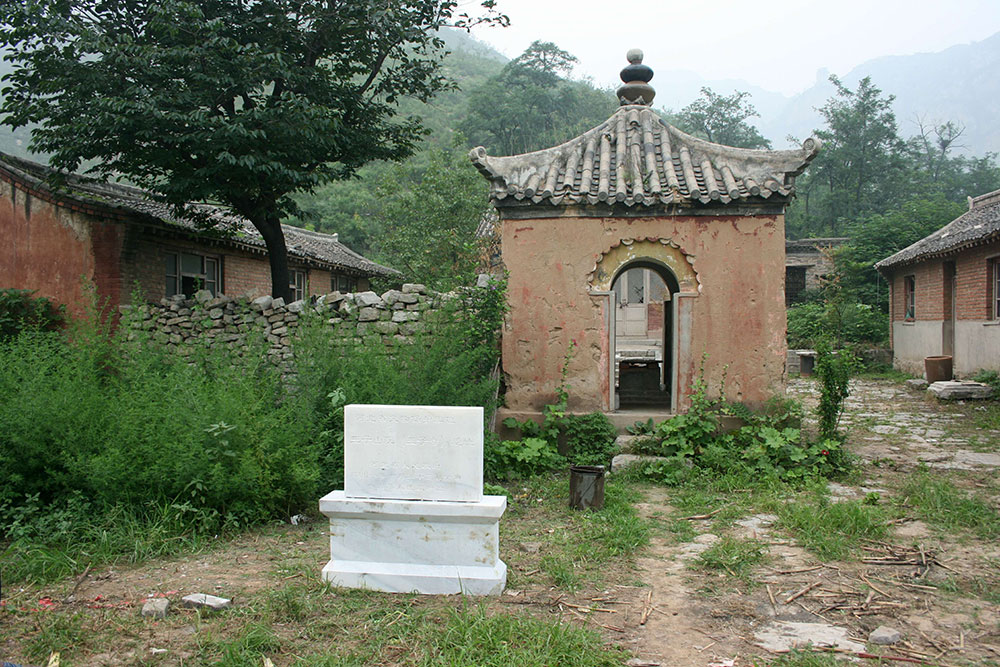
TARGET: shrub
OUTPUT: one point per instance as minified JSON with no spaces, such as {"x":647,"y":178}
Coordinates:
{"x":590,"y":439}
{"x":19,"y":310}
{"x":519,"y":459}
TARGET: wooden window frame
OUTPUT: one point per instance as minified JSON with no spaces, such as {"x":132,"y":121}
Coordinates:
{"x":993,"y":293}
{"x":343,"y":283}
{"x":909,"y":298}
{"x":298,"y":282}
{"x":207,"y":278}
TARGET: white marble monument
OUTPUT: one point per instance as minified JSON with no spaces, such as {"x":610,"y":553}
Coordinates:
{"x":412,"y":516}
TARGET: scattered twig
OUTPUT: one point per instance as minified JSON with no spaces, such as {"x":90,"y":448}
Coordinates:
{"x":647,"y":608}
{"x":799,"y":571}
{"x":770,"y":595}
{"x":874,"y":587}
{"x":700,"y":517}
{"x":76,"y":586}
{"x":801,"y":592}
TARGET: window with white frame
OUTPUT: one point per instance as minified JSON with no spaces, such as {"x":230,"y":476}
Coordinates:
{"x":297,"y":284}
{"x":186,"y":273}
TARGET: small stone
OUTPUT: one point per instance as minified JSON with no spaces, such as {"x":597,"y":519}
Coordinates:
{"x":391,"y":297}
{"x":530,"y":547}
{"x":205,"y":601}
{"x":203,"y":296}
{"x":157,"y":651}
{"x":483,"y":280}
{"x":278,"y":303}
{"x":916,"y":383}
{"x":296,"y":306}
{"x":367,"y":314}
{"x":261,"y":303}
{"x":414,"y":288}
{"x":216,"y":313}
{"x":706,"y":538}
{"x":156,"y":607}
{"x":885,"y":636}
{"x":334,"y":297}
{"x":367,"y":299}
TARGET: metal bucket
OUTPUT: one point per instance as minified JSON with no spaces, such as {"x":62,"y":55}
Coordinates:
{"x":937,"y":369}
{"x":586,"y":487}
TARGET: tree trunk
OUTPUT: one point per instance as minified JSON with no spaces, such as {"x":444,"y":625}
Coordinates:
{"x":277,"y":254}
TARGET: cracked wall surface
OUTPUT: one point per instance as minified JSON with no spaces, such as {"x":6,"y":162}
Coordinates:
{"x":732,"y":266}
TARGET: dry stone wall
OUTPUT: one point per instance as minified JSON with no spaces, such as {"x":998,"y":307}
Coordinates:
{"x":355,"y":319}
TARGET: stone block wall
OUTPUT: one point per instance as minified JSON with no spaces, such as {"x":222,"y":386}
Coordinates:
{"x":363,"y":318}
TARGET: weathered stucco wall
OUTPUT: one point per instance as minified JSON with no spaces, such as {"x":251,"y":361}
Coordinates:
{"x":56,"y":250}
{"x":733,"y":268}
{"x":912,"y":341}
{"x":977,"y":346}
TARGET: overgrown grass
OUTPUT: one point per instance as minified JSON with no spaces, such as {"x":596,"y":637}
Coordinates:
{"x":833,"y":530}
{"x":939,"y":502}
{"x":113,"y":448}
{"x":801,"y":659}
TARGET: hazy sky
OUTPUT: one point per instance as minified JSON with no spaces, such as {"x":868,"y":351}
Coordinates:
{"x":777,"y":45}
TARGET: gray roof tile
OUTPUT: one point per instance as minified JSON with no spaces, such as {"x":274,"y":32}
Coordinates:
{"x":981,"y":223}
{"x":637,"y":159}
{"x":130,"y":203}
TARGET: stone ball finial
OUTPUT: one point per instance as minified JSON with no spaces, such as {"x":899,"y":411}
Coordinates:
{"x":636,"y":77}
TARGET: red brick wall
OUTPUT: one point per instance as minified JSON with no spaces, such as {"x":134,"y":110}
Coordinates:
{"x":55,"y":251}
{"x":318,"y":281}
{"x":933,"y":294}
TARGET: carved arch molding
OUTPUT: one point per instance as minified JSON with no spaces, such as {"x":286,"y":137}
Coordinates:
{"x":662,"y":252}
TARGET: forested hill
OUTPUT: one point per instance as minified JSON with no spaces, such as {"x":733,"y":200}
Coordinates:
{"x":959,"y":84}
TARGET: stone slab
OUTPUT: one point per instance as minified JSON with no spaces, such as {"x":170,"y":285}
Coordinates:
{"x":783,"y":636}
{"x":205,"y":601}
{"x":951,"y":390}
{"x":416,"y":578}
{"x":404,"y":452}
{"x":405,"y":546}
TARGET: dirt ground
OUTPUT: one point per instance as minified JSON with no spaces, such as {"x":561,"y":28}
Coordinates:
{"x":664,"y":610}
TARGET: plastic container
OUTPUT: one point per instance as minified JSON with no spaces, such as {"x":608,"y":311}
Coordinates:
{"x":586,"y":487}
{"x":937,"y":369}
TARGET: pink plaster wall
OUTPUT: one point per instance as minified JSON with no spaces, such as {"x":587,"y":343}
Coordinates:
{"x":737,"y":318}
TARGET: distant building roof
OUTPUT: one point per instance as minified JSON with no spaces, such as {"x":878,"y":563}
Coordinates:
{"x":980,"y":224}
{"x":637,"y":159}
{"x":814,"y":244}
{"x":130,"y":204}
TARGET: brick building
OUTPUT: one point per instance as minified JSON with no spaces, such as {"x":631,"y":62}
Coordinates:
{"x":807,"y":263}
{"x":945,"y":292}
{"x":57,"y":239}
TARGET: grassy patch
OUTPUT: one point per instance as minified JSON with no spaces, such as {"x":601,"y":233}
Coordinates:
{"x":939,"y":502}
{"x":574,"y":545}
{"x":988,"y":417}
{"x":832,"y":530}
{"x":801,"y":659}
{"x":736,"y":557}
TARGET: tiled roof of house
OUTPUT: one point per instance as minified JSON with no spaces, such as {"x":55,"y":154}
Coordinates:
{"x":980,"y":224}
{"x":136,"y":205}
{"x":636,"y":159}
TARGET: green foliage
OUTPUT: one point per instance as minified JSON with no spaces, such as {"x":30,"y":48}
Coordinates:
{"x":113,"y":447}
{"x":843,"y":321}
{"x":529,"y":106}
{"x":20,"y":310}
{"x":590,"y":439}
{"x":641,"y":427}
{"x":722,"y":119}
{"x":834,"y":373}
{"x":428,"y":220}
{"x":989,"y":377}
{"x":769,"y":444}
{"x":519,"y":459}
{"x":246,"y":105}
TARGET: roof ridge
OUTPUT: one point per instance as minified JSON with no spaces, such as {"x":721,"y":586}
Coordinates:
{"x":984,"y":200}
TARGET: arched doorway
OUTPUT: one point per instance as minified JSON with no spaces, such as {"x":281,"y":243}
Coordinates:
{"x":644,"y":352}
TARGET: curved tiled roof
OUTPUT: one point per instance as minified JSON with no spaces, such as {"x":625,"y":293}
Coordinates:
{"x":981,"y":223}
{"x":636,"y":159}
{"x":136,"y":205}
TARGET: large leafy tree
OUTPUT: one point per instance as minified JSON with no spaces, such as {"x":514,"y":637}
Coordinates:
{"x":530,"y":105}
{"x":722,"y":119}
{"x":238,"y":102}
{"x":429,"y":216}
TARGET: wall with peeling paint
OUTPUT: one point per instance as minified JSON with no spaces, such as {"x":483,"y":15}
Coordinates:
{"x":730,"y":267}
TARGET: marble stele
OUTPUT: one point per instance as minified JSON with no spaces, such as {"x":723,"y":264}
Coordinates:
{"x":412,"y":516}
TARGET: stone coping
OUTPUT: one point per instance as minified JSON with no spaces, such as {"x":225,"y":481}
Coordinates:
{"x":487,"y":510}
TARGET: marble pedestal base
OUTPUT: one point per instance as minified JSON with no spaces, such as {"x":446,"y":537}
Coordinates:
{"x":415,"y":546}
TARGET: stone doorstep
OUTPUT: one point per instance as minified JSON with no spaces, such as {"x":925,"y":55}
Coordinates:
{"x":417,"y":578}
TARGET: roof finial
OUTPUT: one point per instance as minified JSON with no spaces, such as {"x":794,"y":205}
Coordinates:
{"x":636,"y":77}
